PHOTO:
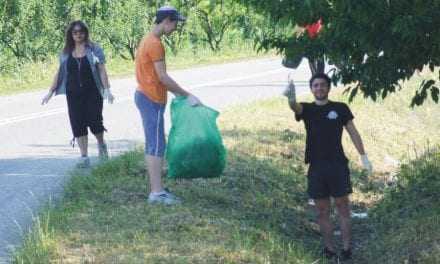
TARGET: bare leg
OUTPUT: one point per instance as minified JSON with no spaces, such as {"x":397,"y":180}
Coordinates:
{"x":154,"y":168}
{"x":164,"y":168}
{"x":83,"y":145}
{"x":343,"y":207}
{"x":323,"y":207}
{"x":102,"y":147}
{"x":100,"y":138}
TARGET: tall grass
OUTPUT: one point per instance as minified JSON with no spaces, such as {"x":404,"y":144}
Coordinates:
{"x":404,"y":225}
{"x":39,"y":244}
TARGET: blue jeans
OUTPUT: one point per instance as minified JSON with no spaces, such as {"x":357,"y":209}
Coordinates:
{"x":152,"y":115}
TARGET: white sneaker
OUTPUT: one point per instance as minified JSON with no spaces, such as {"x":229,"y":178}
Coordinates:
{"x":83,"y":163}
{"x":163,"y":197}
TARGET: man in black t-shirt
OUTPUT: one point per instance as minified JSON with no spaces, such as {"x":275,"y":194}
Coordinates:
{"x":328,"y":173}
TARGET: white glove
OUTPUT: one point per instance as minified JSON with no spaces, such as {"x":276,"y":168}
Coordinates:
{"x":366,"y":163}
{"x":290,"y":91}
{"x":47,"y":97}
{"x":108,"y":95}
{"x":193,"y":101}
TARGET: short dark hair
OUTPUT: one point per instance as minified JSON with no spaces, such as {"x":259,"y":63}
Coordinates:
{"x":321,"y":75}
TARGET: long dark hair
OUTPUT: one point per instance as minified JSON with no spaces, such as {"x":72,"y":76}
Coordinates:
{"x":69,"y":44}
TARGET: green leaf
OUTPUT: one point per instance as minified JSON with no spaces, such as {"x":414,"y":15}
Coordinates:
{"x":384,"y":93}
{"x":435,"y":93}
{"x":346,"y":90}
{"x":427,"y":85}
{"x":416,"y":100}
{"x":353,"y":94}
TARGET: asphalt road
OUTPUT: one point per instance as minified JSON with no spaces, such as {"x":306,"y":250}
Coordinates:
{"x":35,"y":155}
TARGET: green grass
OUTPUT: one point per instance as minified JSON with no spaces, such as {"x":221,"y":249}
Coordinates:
{"x":257,"y":211}
{"x":38,"y":75}
{"x":404,"y":225}
{"x":39,"y":245}
{"x":105,"y":218}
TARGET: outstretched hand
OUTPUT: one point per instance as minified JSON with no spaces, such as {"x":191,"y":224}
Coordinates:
{"x":290,"y":91}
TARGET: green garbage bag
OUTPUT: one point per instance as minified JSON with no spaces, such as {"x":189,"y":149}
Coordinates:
{"x":195,"y":147}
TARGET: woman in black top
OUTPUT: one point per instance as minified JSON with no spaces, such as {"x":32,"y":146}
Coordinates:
{"x":83,"y":78}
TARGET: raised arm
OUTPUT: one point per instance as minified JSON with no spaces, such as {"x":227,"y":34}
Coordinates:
{"x":290,"y":93}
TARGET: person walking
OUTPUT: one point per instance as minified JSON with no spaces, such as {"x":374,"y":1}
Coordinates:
{"x":82,"y":77}
{"x":151,"y":98}
{"x":328,"y":174}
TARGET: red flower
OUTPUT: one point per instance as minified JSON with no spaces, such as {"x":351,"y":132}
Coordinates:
{"x":313,"y":29}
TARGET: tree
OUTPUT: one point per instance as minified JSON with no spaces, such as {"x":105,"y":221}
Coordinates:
{"x":374,"y":44}
{"x":215,"y":18}
{"x":124,"y":24}
{"x":26,"y":27}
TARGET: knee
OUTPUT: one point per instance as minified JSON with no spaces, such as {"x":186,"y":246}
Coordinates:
{"x":343,"y":208}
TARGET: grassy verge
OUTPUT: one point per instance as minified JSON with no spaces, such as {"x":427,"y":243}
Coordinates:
{"x":35,"y":76}
{"x":404,"y":225}
{"x":257,"y":211}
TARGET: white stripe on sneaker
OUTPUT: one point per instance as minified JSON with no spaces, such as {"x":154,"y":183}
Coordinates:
{"x":157,"y":132}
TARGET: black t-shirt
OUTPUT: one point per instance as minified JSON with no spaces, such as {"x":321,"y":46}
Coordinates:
{"x":324,"y":125}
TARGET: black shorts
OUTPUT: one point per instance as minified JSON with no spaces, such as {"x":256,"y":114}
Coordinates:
{"x":328,"y":178}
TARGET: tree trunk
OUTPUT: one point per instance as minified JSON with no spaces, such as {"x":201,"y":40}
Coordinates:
{"x":317,"y":65}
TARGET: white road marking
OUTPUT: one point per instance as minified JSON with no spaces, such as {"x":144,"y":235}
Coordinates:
{"x":61,"y":110}
{"x":20,"y":118}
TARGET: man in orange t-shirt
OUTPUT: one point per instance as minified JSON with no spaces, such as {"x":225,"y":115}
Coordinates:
{"x":151,"y":98}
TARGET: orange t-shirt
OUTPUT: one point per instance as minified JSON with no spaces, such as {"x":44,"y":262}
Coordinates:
{"x":150,"y":50}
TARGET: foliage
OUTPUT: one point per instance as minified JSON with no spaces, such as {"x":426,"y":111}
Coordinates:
{"x":124,"y":25}
{"x":31,"y":30}
{"x":372,"y":53}
{"x":25,"y":28}
{"x":215,"y":18}
{"x":32,"y":35}
{"x":404,"y":222}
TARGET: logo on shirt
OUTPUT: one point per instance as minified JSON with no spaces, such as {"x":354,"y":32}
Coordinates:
{"x":332,"y":115}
